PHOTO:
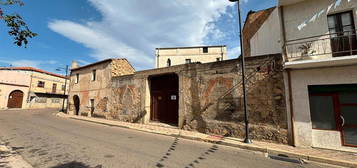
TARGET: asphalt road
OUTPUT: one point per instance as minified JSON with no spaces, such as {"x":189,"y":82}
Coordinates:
{"x":47,"y":141}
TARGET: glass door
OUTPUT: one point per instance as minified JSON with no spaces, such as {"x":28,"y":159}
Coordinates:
{"x":348,"y":115}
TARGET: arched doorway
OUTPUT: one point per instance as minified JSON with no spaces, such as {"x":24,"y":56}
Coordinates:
{"x":15,"y":99}
{"x":76,"y":102}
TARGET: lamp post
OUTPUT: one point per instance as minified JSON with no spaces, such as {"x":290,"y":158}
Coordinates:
{"x":65,"y":86}
{"x":246,"y":114}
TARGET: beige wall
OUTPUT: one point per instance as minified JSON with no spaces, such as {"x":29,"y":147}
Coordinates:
{"x":9,"y":82}
{"x":34,"y":96}
{"x":295,"y":14}
{"x":267,"y":39}
{"x":304,"y":134}
{"x":49,"y":81}
{"x":179,"y":55}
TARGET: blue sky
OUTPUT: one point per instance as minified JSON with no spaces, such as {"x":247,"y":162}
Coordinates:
{"x":91,"y":30}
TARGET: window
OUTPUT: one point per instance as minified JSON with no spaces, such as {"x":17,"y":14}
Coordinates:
{"x":188,"y":61}
{"x":205,"y":49}
{"x":343,"y":34}
{"x":322,"y":112}
{"x":54,"y":88}
{"x":77,"y":78}
{"x":94,"y":75}
{"x":63,"y":87}
{"x":168,"y":62}
{"x":41,"y":84}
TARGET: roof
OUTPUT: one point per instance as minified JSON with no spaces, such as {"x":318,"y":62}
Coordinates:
{"x":32,"y":69}
{"x":101,"y":62}
{"x":192,"y":47}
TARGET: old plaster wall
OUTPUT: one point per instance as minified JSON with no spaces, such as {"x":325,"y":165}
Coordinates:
{"x":210,"y":98}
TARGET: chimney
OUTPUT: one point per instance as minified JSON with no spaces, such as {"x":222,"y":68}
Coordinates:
{"x":74,"y":64}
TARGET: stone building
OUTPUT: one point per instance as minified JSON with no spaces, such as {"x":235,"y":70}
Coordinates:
{"x":90,"y":86}
{"x":205,"y":97}
{"x":31,"y":88}
{"x":166,"y":57}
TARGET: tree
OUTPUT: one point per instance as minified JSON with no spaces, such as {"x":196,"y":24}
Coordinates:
{"x":18,"y":27}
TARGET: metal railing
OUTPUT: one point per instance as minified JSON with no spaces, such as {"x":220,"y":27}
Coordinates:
{"x":327,"y":45}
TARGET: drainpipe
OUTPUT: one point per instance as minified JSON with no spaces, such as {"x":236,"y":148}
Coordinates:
{"x":288,"y":72}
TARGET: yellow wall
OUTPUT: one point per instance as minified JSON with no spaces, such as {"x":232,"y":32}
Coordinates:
{"x":179,"y":55}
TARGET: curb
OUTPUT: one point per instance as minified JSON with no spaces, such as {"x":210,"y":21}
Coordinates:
{"x":269,"y":151}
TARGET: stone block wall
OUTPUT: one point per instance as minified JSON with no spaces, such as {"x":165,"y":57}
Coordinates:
{"x":210,"y":98}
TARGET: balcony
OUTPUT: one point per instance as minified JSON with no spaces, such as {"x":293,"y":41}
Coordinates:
{"x":323,"y":47}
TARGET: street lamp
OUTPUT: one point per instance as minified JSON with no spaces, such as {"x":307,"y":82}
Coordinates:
{"x":65,"y":85}
{"x":246,"y":114}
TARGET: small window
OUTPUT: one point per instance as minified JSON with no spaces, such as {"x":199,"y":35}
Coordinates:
{"x":77,"y":78}
{"x":63,"y":87}
{"x":168,"y":62}
{"x":41,"y":84}
{"x":54,"y":88}
{"x":94,"y":75}
{"x":205,"y":49}
{"x":188,"y":61}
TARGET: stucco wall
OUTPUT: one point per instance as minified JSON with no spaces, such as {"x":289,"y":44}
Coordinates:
{"x":304,"y":134}
{"x":179,"y":55}
{"x":87,"y":89}
{"x":297,"y":13}
{"x":267,"y":39}
{"x":210,"y":98}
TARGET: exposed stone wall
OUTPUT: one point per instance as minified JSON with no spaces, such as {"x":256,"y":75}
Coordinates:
{"x":121,"y":67}
{"x":125,"y":102}
{"x":211,"y":98}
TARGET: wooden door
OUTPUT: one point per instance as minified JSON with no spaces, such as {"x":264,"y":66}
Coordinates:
{"x":164,"y":98}
{"x":15,"y":99}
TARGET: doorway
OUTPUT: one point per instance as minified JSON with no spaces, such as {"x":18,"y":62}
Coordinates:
{"x":15,"y":99}
{"x":76,"y":103}
{"x":164,"y":98}
{"x":334,"y":107}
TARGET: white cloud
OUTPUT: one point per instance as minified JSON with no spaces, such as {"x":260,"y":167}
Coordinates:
{"x":27,"y":63}
{"x":234,"y":53}
{"x":133,"y":29}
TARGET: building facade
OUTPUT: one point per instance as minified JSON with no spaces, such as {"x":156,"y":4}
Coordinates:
{"x":166,"y":57}
{"x":90,"y":86}
{"x":31,"y":88}
{"x":261,"y":27}
{"x":320,"y":53}
{"x":205,"y":98}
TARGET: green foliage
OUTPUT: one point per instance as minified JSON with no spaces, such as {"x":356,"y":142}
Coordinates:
{"x":18,"y":27}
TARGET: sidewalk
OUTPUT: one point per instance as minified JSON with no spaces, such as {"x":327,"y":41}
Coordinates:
{"x":345,"y":159}
{"x":9,"y":158}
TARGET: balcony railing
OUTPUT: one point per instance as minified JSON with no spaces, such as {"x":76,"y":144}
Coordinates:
{"x":322,"y":46}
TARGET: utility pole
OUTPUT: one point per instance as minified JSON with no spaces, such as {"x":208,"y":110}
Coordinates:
{"x":246,"y":114}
